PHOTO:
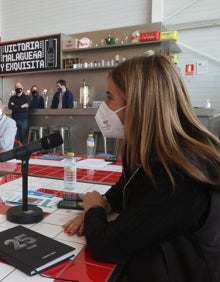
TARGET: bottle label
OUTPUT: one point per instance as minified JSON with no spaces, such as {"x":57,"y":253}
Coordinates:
{"x":91,"y":144}
{"x":51,"y":54}
{"x":70,"y":169}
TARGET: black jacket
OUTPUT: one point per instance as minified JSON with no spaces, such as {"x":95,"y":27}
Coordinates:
{"x":165,"y":235}
{"x":15,"y":103}
{"x":67,"y":100}
{"x":37,"y":102}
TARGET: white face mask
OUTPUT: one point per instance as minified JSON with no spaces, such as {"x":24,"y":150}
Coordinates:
{"x":109,"y":123}
{"x":1,"y":113}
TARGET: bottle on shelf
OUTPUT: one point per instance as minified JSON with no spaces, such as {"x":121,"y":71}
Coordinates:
{"x":90,"y":143}
{"x":51,"y":54}
{"x":84,"y":95}
{"x":70,"y":172}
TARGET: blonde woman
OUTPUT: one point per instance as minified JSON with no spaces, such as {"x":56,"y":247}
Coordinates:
{"x":168,"y":198}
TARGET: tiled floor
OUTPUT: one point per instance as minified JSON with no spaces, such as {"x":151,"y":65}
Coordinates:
{"x":82,"y":268}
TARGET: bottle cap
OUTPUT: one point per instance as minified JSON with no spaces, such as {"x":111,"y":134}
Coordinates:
{"x":70,"y":154}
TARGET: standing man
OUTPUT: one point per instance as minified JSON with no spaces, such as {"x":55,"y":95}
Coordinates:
{"x":8,"y":130}
{"x":19,"y":104}
{"x":63,"y":98}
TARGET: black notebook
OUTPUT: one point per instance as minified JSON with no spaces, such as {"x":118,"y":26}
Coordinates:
{"x":30,"y":251}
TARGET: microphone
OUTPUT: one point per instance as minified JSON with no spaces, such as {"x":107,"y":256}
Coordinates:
{"x":45,"y":143}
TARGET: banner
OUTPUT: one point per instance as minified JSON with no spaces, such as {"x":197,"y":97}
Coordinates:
{"x":35,"y":54}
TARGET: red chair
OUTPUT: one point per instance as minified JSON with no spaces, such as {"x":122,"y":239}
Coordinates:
{"x":17,"y":143}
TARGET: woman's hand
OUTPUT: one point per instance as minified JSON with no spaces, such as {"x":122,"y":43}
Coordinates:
{"x":75,"y":226}
{"x":92,"y":199}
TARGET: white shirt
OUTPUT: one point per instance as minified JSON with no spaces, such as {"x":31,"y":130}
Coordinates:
{"x":8,"y":131}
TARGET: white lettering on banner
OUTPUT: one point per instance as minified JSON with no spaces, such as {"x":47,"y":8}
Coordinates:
{"x":22,"y":56}
{"x":30,"y":55}
{"x":23,"y":46}
{"x":27,"y":65}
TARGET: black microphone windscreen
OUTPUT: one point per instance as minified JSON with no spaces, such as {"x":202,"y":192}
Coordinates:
{"x":51,"y":141}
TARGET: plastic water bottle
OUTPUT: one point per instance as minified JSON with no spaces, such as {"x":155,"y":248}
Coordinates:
{"x":70,"y":172}
{"x":90,"y":143}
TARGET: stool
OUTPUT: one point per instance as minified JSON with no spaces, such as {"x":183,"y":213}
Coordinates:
{"x":36,"y":132}
{"x":64,"y":131}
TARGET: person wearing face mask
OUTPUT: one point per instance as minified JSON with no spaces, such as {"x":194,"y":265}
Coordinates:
{"x":109,"y":122}
{"x":19,"y":105}
{"x":168,"y":197}
{"x":37,"y":100}
{"x":8,"y":130}
{"x":63,"y":97}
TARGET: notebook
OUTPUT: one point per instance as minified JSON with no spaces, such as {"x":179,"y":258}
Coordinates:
{"x":30,"y":251}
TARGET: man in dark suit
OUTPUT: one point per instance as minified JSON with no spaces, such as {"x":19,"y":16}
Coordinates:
{"x":19,"y":105}
{"x":63,"y":97}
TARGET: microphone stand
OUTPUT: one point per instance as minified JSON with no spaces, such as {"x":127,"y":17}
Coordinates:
{"x":24,"y":214}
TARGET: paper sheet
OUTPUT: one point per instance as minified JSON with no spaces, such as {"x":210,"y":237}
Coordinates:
{"x":92,"y":163}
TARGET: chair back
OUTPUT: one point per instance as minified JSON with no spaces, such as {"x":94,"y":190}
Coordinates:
{"x":17,"y":143}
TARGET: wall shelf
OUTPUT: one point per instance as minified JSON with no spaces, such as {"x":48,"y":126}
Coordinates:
{"x":135,"y":44}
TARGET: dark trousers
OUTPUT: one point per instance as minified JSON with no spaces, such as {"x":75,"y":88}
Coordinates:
{"x":22,"y":130}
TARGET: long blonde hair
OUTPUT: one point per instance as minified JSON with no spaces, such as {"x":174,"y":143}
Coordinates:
{"x":160,"y":122}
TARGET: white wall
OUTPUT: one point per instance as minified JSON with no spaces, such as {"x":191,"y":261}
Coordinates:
{"x":28,"y":18}
{"x":186,"y":11}
{"x":198,"y":23}
{"x":197,"y":48}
